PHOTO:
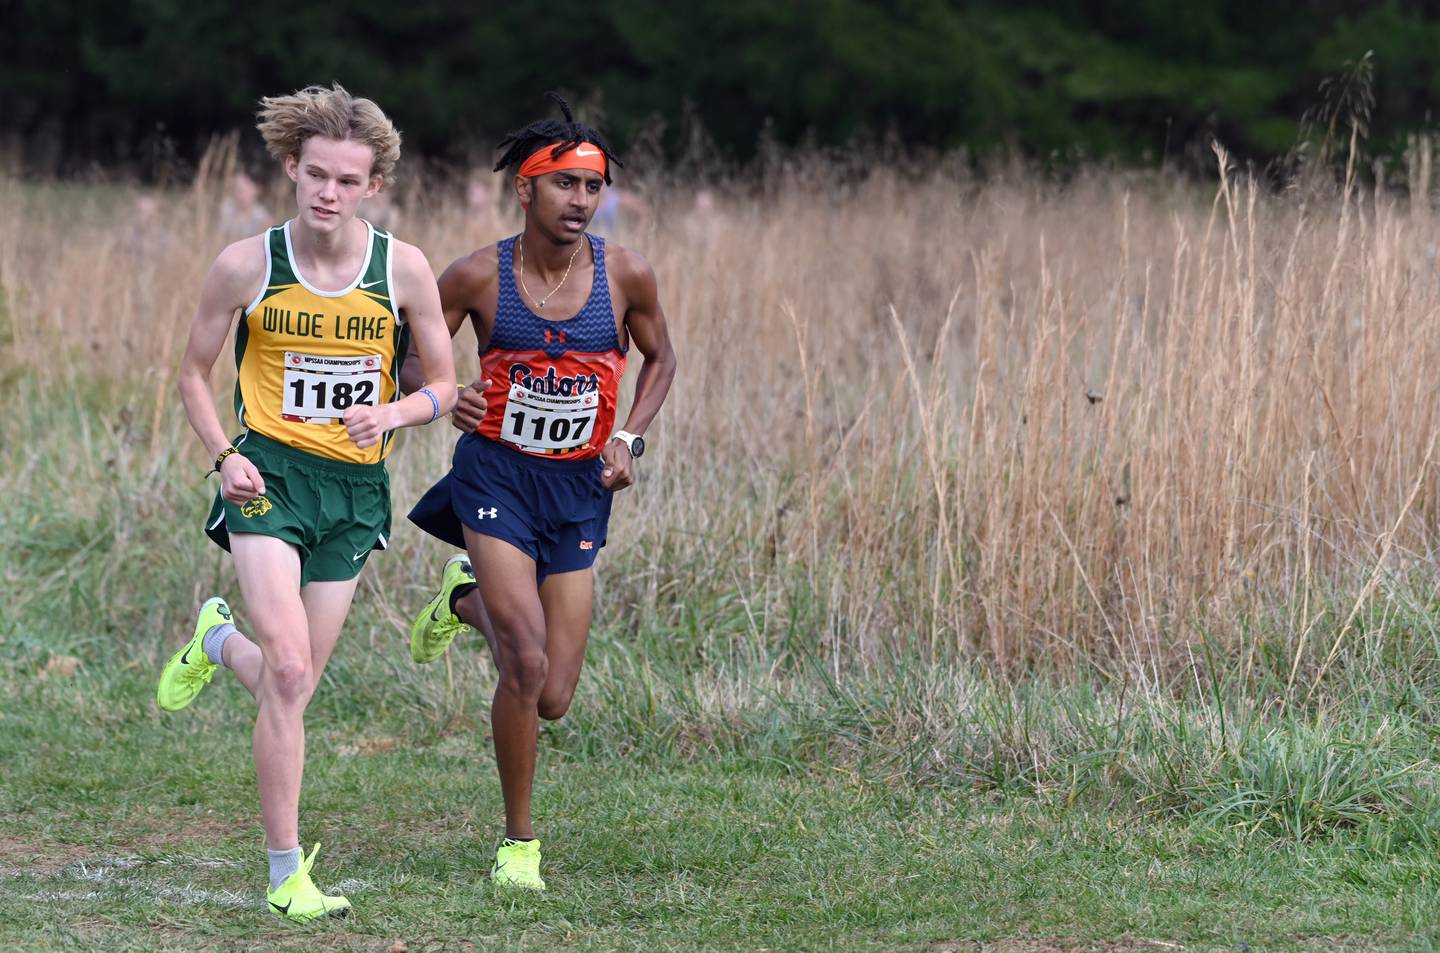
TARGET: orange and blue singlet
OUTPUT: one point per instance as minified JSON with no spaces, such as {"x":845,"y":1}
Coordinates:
{"x":553,"y":384}
{"x":531,"y":473}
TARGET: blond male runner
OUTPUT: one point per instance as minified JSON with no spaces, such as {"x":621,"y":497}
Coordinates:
{"x":330,"y":304}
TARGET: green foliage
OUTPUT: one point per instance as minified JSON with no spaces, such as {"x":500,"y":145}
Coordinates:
{"x":90,"y":80}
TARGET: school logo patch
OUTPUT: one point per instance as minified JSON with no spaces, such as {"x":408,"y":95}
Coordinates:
{"x":256,"y":507}
{"x":587,"y":544}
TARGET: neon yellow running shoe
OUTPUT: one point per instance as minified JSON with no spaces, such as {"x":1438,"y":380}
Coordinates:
{"x":190,"y":669}
{"x":436,"y":626}
{"x":517,"y":864}
{"x":300,"y":900}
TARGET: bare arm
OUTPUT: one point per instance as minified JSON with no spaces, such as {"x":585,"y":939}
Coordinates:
{"x":454,"y":307}
{"x":463,"y":287}
{"x":416,"y":294}
{"x":645,"y":320}
{"x":231,"y":282}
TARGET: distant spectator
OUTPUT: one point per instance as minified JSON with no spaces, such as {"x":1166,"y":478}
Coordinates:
{"x":478,"y":194}
{"x":241,"y":212}
{"x":381,"y":211}
{"x":701,"y":225}
{"x":148,"y":235}
{"x":607,"y":216}
{"x":617,"y":204}
{"x":481,"y":213}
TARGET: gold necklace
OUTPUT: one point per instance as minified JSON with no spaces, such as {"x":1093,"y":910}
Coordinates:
{"x":540,"y":302}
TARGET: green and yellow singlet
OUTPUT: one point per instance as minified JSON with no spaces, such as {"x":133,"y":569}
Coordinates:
{"x":304,"y":356}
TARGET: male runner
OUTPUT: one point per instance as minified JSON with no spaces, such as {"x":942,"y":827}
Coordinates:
{"x":329,"y":305}
{"x":528,"y":495}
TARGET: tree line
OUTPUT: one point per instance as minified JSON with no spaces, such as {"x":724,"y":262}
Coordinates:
{"x":87,"y":81}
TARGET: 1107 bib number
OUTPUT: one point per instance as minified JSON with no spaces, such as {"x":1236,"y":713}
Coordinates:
{"x":545,"y":423}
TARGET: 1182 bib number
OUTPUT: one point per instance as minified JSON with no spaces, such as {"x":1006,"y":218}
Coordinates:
{"x":320,"y":389}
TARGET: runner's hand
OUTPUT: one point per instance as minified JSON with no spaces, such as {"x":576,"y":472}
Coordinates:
{"x":470,"y":408}
{"x":618,"y":472}
{"x":362,"y":423}
{"x":240,"y":482}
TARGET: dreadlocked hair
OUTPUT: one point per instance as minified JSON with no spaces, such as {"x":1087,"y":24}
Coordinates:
{"x":523,"y":143}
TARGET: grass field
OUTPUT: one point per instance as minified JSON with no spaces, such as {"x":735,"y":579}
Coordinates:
{"x":123,"y":830}
{"x":1017,"y":565}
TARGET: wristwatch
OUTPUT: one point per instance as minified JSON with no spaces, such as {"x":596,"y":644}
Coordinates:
{"x":633,"y":441}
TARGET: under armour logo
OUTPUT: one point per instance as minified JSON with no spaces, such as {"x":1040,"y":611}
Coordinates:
{"x":552,"y":337}
{"x":491,"y":512}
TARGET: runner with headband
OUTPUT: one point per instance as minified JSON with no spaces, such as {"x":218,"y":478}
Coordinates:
{"x":555,"y":311}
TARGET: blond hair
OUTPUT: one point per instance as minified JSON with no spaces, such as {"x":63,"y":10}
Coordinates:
{"x":287,"y":121}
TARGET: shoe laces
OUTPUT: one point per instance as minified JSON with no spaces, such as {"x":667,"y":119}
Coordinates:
{"x":526,"y":850}
{"x":300,"y":879}
{"x":445,"y":628}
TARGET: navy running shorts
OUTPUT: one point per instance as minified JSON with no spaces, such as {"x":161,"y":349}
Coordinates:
{"x":554,"y":511}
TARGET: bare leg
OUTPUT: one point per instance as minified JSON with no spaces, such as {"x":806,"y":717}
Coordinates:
{"x":568,"y":599}
{"x":326,"y":604}
{"x":244,"y":658}
{"x":296,"y":630}
{"x":269,"y":571}
{"x":471,"y":610}
{"x":511,"y":600}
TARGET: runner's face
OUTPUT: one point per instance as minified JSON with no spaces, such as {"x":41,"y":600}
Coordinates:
{"x":562,"y":203}
{"x":331,"y":176}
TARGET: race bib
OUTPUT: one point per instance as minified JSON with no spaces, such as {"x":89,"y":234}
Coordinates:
{"x":318,"y":390}
{"x":545,"y":423}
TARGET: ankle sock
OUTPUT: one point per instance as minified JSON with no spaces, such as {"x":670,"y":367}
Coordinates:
{"x":283,"y":863}
{"x":458,"y":593}
{"x":214,"y":642}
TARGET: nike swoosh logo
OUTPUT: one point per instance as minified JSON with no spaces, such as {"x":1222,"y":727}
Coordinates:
{"x":366,"y":284}
{"x":185,"y":659}
{"x":357,"y":556}
{"x":587,"y":152}
{"x":283,"y":911}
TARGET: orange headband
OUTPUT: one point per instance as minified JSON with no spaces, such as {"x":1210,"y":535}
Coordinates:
{"x":586,"y":155}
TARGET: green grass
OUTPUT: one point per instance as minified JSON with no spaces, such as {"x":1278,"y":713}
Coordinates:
{"x":125,"y":829}
{"x":727,"y":778}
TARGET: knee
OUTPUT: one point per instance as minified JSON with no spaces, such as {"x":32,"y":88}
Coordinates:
{"x":523,"y":671}
{"x":291,"y":680}
{"x":554,"y":704}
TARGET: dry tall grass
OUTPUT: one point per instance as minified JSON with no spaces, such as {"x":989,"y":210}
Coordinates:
{"x":1083,"y":425}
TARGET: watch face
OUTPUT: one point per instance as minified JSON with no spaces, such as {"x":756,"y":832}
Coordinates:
{"x":637,"y":447}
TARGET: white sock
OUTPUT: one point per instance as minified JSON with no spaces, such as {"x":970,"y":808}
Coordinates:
{"x":214,"y":642}
{"x":283,"y":863}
